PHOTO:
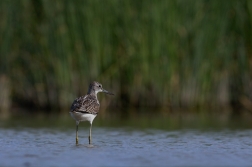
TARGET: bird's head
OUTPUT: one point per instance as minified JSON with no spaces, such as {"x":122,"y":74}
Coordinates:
{"x":96,"y":87}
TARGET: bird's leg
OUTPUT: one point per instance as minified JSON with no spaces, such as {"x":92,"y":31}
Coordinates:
{"x":77,"y":124}
{"x":89,"y":137}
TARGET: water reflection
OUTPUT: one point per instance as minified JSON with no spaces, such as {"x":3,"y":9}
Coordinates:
{"x":125,"y":147}
{"x":138,"y":141}
{"x":149,"y":120}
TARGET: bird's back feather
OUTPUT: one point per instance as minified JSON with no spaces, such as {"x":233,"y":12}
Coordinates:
{"x":86,"y":104}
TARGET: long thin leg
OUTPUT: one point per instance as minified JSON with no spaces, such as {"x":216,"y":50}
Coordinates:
{"x":89,"y":137}
{"x":77,"y":123}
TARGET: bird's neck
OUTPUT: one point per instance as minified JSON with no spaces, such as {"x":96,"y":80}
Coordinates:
{"x":92,"y":93}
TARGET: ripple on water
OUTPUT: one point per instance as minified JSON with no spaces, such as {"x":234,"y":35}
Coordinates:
{"x":124,"y":147}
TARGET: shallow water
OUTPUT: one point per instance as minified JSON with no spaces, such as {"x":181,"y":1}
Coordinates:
{"x":125,"y":147}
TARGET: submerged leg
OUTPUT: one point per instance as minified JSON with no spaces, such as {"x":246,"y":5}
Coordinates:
{"x":89,"y":137}
{"x":77,"y":124}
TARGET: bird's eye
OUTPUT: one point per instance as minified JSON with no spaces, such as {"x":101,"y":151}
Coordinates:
{"x":99,"y":86}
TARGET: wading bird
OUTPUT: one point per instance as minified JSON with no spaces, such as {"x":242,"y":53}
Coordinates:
{"x":86,"y":108}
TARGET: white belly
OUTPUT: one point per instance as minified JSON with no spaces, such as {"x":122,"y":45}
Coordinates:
{"x":82,"y":117}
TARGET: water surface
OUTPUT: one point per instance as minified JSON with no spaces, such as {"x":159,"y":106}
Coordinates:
{"x":22,"y":146}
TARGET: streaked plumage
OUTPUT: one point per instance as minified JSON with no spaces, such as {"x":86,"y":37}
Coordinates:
{"x":86,"y":108}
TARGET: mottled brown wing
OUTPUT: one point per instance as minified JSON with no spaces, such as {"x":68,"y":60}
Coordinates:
{"x":85,"y":104}
{"x":77,"y":103}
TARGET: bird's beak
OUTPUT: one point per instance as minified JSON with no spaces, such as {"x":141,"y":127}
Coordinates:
{"x":107,"y":92}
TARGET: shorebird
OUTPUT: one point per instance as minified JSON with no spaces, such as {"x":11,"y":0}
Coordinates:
{"x":86,"y":108}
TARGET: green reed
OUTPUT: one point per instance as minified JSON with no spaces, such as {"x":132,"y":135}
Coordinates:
{"x":161,"y":53}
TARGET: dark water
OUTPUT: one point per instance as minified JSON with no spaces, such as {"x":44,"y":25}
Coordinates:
{"x":125,"y":147}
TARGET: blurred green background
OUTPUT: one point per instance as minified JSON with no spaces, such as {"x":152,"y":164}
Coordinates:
{"x":164,"y":55}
